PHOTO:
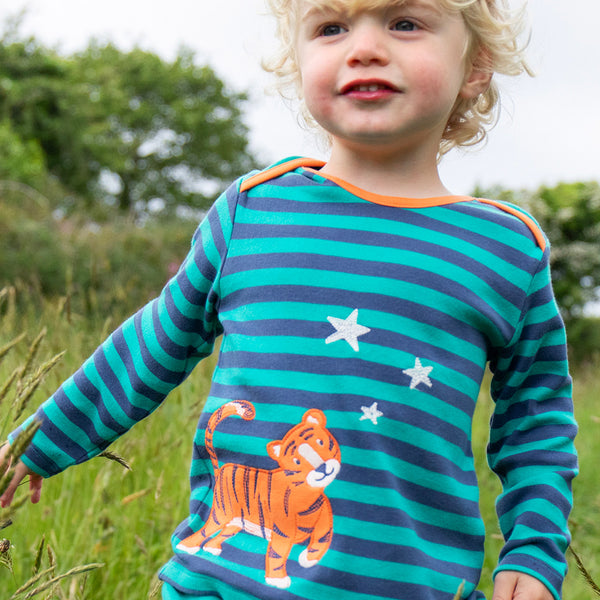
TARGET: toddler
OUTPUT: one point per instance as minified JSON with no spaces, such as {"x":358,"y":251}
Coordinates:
{"x":359,"y":303}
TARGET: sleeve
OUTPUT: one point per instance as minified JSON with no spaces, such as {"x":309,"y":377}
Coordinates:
{"x":531,"y":440}
{"x":149,"y":355}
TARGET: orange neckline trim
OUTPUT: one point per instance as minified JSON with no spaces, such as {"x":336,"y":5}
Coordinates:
{"x":278,"y":170}
{"x":394,"y":201}
{"x":533,"y":226}
{"x":312,"y":164}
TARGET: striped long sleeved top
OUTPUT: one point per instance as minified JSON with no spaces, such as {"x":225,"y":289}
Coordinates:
{"x":333,"y":457}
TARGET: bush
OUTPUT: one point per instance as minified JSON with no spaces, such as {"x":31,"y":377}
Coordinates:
{"x":20,"y":160}
{"x":102,"y":269}
{"x":583,"y":335}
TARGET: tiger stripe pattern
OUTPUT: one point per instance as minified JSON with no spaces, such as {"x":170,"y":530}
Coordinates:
{"x":285,"y":506}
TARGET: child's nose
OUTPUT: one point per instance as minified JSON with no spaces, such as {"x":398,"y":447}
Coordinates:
{"x":368,"y":45}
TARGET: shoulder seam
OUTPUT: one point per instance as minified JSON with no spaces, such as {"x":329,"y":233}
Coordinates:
{"x":277,"y":170}
{"x":533,"y":226}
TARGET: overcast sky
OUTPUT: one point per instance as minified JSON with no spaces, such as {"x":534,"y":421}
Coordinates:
{"x":550,"y":125}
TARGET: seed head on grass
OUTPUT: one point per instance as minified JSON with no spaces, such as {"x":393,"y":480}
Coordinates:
{"x":8,"y":384}
{"x":42,"y":587}
{"x":22,"y":442}
{"x":459,"y":592}
{"x":8,"y":347}
{"x":7,"y":514}
{"x":16,"y":373}
{"x":33,"y":581}
{"x":585,"y":573}
{"x":37,"y":563}
{"x":7,"y":466}
{"x":32,"y":353}
{"x":135,"y":496}
{"x":5,"y":555}
{"x":154,"y":589}
{"x":9,"y":294}
{"x":116,"y":458}
{"x":25,"y":390}
{"x":6,"y":561}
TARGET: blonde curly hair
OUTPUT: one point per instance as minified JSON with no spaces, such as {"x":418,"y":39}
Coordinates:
{"x":494,"y":46}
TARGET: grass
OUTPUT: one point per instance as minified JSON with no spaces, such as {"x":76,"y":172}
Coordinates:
{"x":102,"y":529}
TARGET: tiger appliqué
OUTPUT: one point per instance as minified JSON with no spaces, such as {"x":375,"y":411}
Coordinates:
{"x":286,"y":505}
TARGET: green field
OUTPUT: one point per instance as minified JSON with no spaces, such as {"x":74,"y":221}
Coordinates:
{"x":100,"y":512}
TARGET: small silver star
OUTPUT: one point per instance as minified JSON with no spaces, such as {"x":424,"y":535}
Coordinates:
{"x":418,"y":374}
{"x":371,"y":413}
{"x":347,"y":329}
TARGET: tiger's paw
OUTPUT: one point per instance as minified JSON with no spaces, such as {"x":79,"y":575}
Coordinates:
{"x":188,"y":549}
{"x":279,"y":582}
{"x":213,"y":551}
{"x":305,"y":561}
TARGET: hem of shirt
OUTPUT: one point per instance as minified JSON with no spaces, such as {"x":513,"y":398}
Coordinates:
{"x":196,"y":585}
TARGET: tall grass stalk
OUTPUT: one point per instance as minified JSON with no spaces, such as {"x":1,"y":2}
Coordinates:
{"x":459,"y":592}
{"x":26,"y":379}
{"x":20,"y":444}
{"x":50,"y":583}
{"x":8,"y":347}
{"x":584,"y":572}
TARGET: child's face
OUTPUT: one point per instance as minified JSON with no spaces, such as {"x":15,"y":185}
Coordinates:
{"x":383,"y":77}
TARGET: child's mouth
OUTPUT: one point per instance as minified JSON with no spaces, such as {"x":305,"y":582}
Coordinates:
{"x":368,"y":90}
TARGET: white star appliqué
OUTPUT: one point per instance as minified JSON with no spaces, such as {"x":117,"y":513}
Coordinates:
{"x":347,"y":329}
{"x":418,"y":374}
{"x":371,"y":413}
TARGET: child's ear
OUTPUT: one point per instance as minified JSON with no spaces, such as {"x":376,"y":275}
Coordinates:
{"x":478,"y":77}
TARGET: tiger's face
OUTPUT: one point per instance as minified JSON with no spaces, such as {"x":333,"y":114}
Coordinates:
{"x":308,"y":453}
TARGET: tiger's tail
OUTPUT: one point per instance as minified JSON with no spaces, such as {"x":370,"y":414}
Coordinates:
{"x":241,"y":408}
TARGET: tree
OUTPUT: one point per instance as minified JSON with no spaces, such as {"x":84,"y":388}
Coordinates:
{"x":160,"y":129}
{"x":20,"y":161}
{"x":126,"y":127}
{"x":32,"y":84}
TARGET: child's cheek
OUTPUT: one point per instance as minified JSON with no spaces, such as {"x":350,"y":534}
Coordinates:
{"x":435,"y":81}
{"x":320,"y":109}
{"x":318,"y":94}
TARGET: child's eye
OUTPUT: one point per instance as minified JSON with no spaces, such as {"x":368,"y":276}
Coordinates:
{"x":330,"y":30}
{"x":404,"y":25}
